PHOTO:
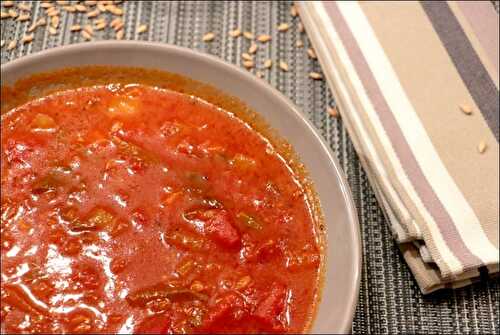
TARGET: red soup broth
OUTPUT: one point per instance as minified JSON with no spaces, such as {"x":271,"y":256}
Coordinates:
{"x":132,"y":208}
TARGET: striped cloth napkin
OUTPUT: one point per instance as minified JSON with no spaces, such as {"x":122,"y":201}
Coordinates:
{"x":417,"y":88}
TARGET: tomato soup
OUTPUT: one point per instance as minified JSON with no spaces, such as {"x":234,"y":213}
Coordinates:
{"x":131,"y":208}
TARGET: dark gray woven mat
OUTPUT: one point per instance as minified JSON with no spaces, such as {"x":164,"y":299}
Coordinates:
{"x":389,"y":300}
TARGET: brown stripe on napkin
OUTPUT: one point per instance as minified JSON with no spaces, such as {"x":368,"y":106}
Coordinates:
{"x":419,"y":96}
{"x":466,"y":60}
{"x":454,"y":135}
{"x":484,"y":23}
{"x":405,"y":227}
{"x":482,"y":49}
{"x":425,"y":191}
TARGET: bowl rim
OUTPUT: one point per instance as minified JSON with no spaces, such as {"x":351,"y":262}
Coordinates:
{"x":346,"y":326}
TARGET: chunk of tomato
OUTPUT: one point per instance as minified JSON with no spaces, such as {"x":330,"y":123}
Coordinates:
{"x":157,"y":324}
{"x":268,"y":251}
{"x":269,"y":309}
{"x":222,"y":314}
{"x":220,"y":227}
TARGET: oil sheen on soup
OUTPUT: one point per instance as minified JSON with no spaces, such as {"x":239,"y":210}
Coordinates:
{"x":130,"y":208}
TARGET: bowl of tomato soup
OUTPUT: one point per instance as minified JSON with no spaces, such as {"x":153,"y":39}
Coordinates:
{"x":148,"y":188}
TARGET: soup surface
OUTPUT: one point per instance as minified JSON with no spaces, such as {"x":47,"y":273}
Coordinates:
{"x":129,"y":208}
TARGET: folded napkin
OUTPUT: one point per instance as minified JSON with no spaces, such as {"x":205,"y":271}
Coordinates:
{"x":417,"y":87}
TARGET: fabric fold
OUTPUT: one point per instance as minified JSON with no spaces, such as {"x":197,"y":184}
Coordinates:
{"x":402,"y":74}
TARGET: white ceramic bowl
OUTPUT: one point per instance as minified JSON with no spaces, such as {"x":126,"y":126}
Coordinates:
{"x":343,"y":254}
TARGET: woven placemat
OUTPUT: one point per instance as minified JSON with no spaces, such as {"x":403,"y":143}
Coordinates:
{"x":389,"y":300}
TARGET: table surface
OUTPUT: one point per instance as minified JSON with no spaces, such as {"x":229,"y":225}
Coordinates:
{"x":389,"y":299}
